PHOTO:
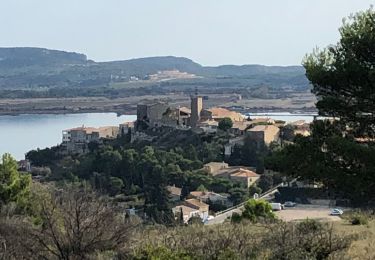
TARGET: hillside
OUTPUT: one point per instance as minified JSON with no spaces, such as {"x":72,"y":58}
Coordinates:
{"x":37,"y":69}
{"x":12,"y":58}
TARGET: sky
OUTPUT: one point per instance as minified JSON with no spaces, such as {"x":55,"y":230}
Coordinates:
{"x":210,"y":32}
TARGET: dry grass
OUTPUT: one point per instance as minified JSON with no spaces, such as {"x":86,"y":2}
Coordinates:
{"x":364,"y":246}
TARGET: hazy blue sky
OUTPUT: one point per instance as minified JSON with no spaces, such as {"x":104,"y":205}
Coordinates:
{"x":211,"y":32}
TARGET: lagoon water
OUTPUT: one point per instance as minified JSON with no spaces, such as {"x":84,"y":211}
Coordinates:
{"x":285,"y":116}
{"x":20,"y":134}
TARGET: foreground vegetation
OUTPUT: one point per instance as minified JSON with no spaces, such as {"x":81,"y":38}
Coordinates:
{"x":76,"y":223}
{"x":42,"y":221}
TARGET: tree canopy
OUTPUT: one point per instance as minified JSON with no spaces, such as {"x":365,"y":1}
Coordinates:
{"x":343,"y":75}
{"x":225,"y":124}
{"x":14,"y":187}
{"x":340,"y":151}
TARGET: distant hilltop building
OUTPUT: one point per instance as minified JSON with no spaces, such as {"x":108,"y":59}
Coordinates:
{"x":161,"y":114}
{"x":151,"y":113}
{"x":170,"y":74}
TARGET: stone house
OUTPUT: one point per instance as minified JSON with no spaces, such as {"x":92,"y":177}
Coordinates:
{"x":202,"y":207}
{"x":124,"y":128}
{"x":245,"y":176}
{"x":214,"y":167}
{"x":264,"y":134}
{"x":235,"y":173}
{"x":174,"y":193}
{"x":207,"y":196}
{"x":151,"y":113}
{"x":76,"y":140}
{"x":187,"y":212}
{"x":219,"y":113}
{"x":239,"y":127}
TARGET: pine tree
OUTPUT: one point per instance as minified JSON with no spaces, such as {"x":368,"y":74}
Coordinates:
{"x":14,"y":187}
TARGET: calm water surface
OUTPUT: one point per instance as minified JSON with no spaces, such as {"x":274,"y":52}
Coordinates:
{"x":285,"y":116}
{"x":20,"y":134}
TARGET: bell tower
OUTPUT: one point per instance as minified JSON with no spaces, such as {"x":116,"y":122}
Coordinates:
{"x":196,"y":108}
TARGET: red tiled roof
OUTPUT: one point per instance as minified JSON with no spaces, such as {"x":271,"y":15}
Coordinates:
{"x":244,"y":173}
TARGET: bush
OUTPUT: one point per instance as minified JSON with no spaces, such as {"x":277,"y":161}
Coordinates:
{"x":195,"y":220}
{"x":256,"y":210}
{"x":305,"y":240}
{"x":359,"y":219}
{"x":309,"y":239}
{"x":236,"y":218}
{"x":161,"y":252}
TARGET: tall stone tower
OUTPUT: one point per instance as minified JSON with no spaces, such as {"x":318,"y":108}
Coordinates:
{"x":196,"y":108}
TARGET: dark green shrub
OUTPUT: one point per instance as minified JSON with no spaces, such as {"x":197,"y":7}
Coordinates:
{"x":256,"y":210}
{"x":359,"y":219}
{"x":236,"y":218}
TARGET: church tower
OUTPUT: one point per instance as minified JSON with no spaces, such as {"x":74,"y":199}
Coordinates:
{"x":196,"y":108}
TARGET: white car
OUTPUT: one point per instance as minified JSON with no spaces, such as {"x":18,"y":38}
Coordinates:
{"x":277,"y":206}
{"x":290,"y":204}
{"x":336,"y":212}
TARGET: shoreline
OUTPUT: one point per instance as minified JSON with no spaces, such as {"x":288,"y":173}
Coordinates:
{"x":128,"y":105}
{"x":65,"y":112}
{"x":261,"y":112}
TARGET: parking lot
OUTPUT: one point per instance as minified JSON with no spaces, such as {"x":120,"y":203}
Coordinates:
{"x":301,"y":212}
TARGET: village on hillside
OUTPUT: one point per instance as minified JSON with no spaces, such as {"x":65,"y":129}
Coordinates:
{"x":154,"y":118}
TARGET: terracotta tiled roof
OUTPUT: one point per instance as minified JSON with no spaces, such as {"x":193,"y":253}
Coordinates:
{"x":219,"y":112}
{"x":244,"y":173}
{"x":262,"y":128}
{"x":242,"y":125}
{"x":199,"y":193}
{"x":88,"y":130}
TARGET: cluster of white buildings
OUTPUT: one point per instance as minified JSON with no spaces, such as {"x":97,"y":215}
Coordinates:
{"x":77,"y":140}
